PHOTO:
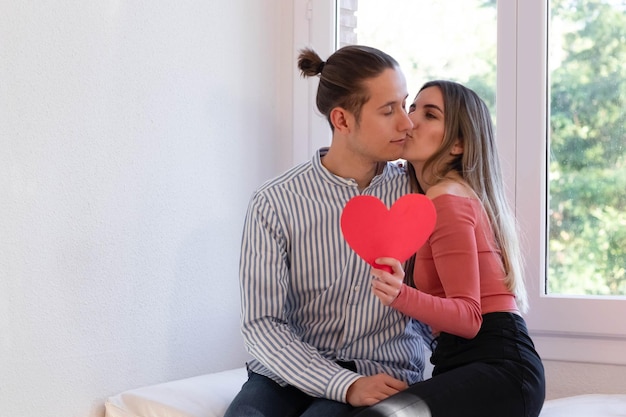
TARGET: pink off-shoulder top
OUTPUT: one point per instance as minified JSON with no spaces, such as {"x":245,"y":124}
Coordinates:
{"x":458,"y":272}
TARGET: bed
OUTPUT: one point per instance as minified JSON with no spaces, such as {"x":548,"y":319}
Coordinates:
{"x":209,"y":395}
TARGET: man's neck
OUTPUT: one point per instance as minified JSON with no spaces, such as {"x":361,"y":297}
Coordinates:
{"x":351,"y":166}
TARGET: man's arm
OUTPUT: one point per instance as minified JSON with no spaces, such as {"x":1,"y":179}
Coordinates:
{"x":264,"y":281}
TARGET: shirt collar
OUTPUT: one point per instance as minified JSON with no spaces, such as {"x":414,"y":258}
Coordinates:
{"x":341,"y":181}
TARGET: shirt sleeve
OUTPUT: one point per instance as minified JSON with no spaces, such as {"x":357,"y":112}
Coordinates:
{"x":264,"y":280}
{"x":456,"y":266}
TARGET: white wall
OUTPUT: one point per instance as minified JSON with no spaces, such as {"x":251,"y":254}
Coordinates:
{"x":132,"y":134}
{"x":565,"y":379}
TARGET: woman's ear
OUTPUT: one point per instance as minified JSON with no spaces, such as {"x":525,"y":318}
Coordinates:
{"x":457,"y":148}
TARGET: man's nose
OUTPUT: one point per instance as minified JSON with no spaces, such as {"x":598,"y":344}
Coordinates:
{"x":406,"y":123}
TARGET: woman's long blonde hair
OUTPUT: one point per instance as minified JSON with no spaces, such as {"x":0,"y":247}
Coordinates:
{"x":467,"y":118}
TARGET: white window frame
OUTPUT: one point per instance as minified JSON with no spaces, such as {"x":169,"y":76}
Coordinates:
{"x":579,"y":329}
{"x":566,"y":328}
{"x":315,"y":26}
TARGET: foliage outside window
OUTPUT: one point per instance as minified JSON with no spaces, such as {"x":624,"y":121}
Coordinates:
{"x":587,"y":172}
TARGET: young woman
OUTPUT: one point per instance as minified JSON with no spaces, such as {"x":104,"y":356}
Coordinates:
{"x":467,"y":278}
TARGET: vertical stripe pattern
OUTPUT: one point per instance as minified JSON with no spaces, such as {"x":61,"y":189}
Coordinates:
{"x":306,"y":298}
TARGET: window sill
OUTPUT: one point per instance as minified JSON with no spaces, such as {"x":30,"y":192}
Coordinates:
{"x":580,"y":347}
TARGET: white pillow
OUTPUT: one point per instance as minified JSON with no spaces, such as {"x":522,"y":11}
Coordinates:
{"x":201,"y":396}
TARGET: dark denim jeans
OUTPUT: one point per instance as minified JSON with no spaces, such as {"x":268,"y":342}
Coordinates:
{"x":262,"y":397}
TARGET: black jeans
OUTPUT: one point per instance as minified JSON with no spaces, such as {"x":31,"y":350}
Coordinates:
{"x":496,"y":374}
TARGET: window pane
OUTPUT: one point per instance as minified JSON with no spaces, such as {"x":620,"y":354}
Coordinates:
{"x":430,"y":39}
{"x":587,"y":175}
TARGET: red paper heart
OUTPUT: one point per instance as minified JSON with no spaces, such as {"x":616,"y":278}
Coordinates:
{"x":373,"y":231}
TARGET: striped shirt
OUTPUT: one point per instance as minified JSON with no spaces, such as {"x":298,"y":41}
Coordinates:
{"x":305,"y":295}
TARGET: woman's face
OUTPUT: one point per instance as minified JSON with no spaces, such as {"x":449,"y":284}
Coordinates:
{"x":427,"y":115}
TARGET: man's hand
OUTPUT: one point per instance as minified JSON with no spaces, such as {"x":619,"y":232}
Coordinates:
{"x":369,"y":390}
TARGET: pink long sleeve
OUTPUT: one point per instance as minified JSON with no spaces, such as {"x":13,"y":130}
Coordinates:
{"x":458,"y":271}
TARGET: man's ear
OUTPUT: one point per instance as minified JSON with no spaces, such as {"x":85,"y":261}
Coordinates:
{"x":341,"y":119}
{"x":457,"y":148}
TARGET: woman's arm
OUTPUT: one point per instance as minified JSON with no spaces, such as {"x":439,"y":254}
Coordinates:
{"x":454,"y":267}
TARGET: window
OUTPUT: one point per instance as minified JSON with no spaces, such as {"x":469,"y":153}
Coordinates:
{"x":430,"y":40}
{"x":587,"y":132}
{"x":565,"y":327}
{"x":573,"y":327}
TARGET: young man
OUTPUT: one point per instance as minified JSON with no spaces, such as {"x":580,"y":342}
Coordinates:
{"x":322,"y":343}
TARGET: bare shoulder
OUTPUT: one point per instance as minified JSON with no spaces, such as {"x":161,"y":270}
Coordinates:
{"x":458,"y":188}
